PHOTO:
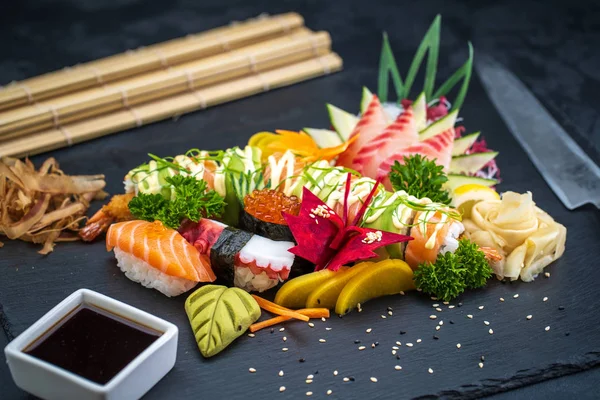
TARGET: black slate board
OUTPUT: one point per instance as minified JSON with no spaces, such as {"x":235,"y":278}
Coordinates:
{"x":519,"y":352}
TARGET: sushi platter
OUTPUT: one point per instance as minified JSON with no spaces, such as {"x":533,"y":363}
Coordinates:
{"x":406,"y":247}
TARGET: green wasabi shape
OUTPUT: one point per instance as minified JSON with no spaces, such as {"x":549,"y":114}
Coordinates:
{"x":219,"y":315}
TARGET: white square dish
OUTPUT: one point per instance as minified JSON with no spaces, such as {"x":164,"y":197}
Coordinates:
{"x":50,"y":382}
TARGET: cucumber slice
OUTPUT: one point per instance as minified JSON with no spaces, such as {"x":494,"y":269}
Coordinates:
{"x":471,"y":163}
{"x":420,"y":111}
{"x":343,"y":122}
{"x":439,"y":126}
{"x":456,"y":180}
{"x":367,"y":96}
{"x":464,"y":143}
{"x":324,"y":137}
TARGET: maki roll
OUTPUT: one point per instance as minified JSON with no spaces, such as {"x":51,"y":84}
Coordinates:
{"x":262,"y":214}
{"x":240,"y":258}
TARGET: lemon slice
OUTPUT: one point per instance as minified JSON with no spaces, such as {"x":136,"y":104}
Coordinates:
{"x":293,"y":293}
{"x":381,"y":279}
{"x":466,"y":196}
{"x":326,"y":295}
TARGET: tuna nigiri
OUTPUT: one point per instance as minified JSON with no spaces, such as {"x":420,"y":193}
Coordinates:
{"x":157,"y":257}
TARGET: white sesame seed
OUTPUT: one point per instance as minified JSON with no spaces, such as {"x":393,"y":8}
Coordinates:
{"x":309,"y":381}
{"x":251,"y":335}
{"x":372,"y":345}
{"x":432,"y":316}
{"x":328,"y":329}
{"x":329,"y":391}
{"x":361,"y":347}
{"x":399,"y":344}
{"x":311,"y":376}
{"x":390,"y":313}
{"x":252,"y":370}
{"x":458,"y":345}
{"x":430,"y":371}
{"x":446,"y":303}
{"x":394,"y":352}
{"x":373,"y":379}
{"x":437,"y":328}
{"x":335,"y":373}
{"x":419,"y":340}
{"x":501,"y":298}
{"x":369,"y":330}
{"x":284,"y":338}
{"x":491,"y":331}
{"x":516,"y":296}
{"x":434,"y":298}
{"x":397,"y":368}
{"x":438,"y":309}
{"x":383,"y":316}
{"x":346,"y":379}
{"x":529,"y":316}
{"x":281,"y":329}
{"x":547,"y":328}
{"x":545,"y":299}
{"x":547,"y":274}
{"x":322,"y":340}
{"x":480,"y":307}
{"x":486,"y":322}
{"x":309,"y":393}
{"x":323,"y":319}
{"x":470,"y":316}
{"x":284,"y":349}
{"x":441,"y":323}
{"x":311,"y":324}
{"x":435,"y":305}
{"x":480,"y":365}
{"x":281,"y":373}
{"x":282,"y":389}
{"x":395,"y":347}
{"x":451,"y":306}
{"x":409,"y":344}
{"x":402,"y":293}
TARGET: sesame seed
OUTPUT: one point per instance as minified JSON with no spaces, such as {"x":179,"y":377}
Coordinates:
{"x":383,"y":316}
{"x":282,"y":389}
{"x":329,"y":391}
{"x":560,"y":308}
{"x":281,"y":373}
{"x":252,"y":370}
{"x":322,"y":340}
{"x":470,"y":316}
{"x":284,"y":349}
{"x":435,"y":337}
{"x":284,"y":338}
{"x":309,"y":381}
{"x":432,"y":316}
{"x":480,"y":365}
{"x":516,"y":296}
{"x":301,"y":360}
{"x":446,"y":303}
{"x":438,"y":309}
{"x":409,"y":344}
{"x":459,"y":305}
{"x":397,"y":368}
{"x":311,"y":324}
{"x":372,"y":345}
{"x":357,"y":341}
{"x":346,"y":379}
{"x":545,"y":299}
{"x":451,"y":322}
{"x":390,"y":313}
{"x":272,"y":330}
{"x":486,"y":322}
{"x":547,"y":274}
{"x":309,"y":393}
{"x":402,"y":332}
{"x":547,"y":328}
{"x":373,"y":379}
{"x":399,"y":343}
{"x":328,"y":329}
{"x":430,"y":371}
{"x":529,"y":316}
{"x":441,"y":323}
{"x":402,"y":293}
{"x":451,"y":306}
{"x":437,"y":328}
{"x":281,"y":329}
{"x":394,"y":352}
{"x":323,"y":319}
{"x":434,"y":298}
{"x":310,"y":376}
{"x":251,"y":335}
{"x":419,"y":340}
{"x":458,"y":345}
{"x":482,"y":358}
{"x":361,"y":347}
{"x":491,"y":331}
{"x":335,"y":373}
{"x":369,"y":330}
{"x":501,"y":298}
{"x":435,"y":305}
{"x":395,"y":347}
{"x":480,"y":307}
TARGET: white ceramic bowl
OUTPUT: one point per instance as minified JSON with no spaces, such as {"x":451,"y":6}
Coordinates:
{"x":50,"y":382}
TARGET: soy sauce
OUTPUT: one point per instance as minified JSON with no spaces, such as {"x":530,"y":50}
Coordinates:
{"x":93,"y":343}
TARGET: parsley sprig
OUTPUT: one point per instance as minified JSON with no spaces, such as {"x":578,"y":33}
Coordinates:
{"x":452,"y":273}
{"x":192,"y":201}
{"x":420,"y":177}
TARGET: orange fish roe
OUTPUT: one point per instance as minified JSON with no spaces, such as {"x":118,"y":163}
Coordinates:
{"x":267,"y":205}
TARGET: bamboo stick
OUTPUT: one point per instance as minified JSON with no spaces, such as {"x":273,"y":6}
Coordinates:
{"x":152,"y":86}
{"x":153,"y":57}
{"x":173,"y":106}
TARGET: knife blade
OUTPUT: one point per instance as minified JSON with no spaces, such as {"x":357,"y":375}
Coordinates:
{"x":567,"y":169}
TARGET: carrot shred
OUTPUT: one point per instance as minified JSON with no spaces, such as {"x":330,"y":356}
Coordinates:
{"x":309,"y":312}
{"x":279,"y":310}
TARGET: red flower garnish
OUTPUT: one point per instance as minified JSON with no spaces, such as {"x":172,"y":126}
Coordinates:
{"x":438,"y":111}
{"x":458,"y":131}
{"x":330,"y":241}
{"x":406,"y":103}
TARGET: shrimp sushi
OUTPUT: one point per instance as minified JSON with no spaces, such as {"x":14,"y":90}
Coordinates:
{"x":248,"y":261}
{"x":157,"y":257}
{"x":432,"y":234}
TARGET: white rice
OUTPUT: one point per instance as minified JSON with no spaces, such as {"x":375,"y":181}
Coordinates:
{"x":450,"y":243}
{"x":245,"y":279}
{"x":140,"y":271}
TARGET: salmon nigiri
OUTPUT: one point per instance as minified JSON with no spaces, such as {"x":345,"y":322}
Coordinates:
{"x":157,"y":257}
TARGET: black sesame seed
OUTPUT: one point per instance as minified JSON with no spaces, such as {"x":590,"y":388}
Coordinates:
{"x":402,"y":332}
{"x":390,"y":309}
{"x":351,"y":379}
{"x":316,"y":372}
{"x":451,"y":322}
{"x":561,"y":308}
{"x":459,"y":305}
{"x":356,"y":341}
{"x":318,"y":301}
{"x":482,"y":358}
{"x":272,"y":330}
{"x":376,"y":343}
{"x":567,"y":334}
{"x":302,"y":360}
{"x":340,"y":315}
{"x":397,"y":357}
{"x":435,"y":337}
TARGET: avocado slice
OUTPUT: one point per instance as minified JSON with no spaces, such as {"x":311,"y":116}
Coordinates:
{"x":461,"y":145}
{"x":439,"y":126}
{"x":471,"y":163}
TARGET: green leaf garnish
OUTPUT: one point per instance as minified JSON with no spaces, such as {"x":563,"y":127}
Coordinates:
{"x":192,"y":201}
{"x":431,"y":45}
{"x":387,"y":65}
{"x":464,"y":74}
{"x":452,"y":273}
{"x":420,"y":177}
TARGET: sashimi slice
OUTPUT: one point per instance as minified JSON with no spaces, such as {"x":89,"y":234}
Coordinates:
{"x":438,"y":148}
{"x":164,"y":249}
{"x":371,"y":124}
{"x":399,"y":135}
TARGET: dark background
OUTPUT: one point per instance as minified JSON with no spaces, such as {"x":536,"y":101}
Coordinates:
{"x":552,"y":46}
